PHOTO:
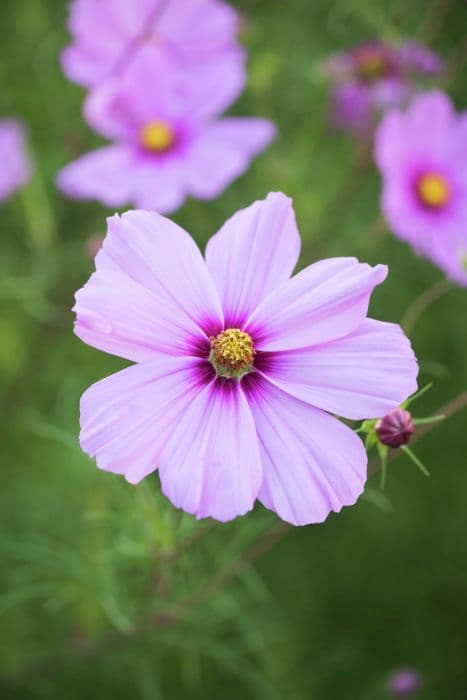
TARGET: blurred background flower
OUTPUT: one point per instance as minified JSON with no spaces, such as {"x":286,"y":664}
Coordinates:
{"x":422,"y":155}
{"x":16,"y":167}
{"x":374,"y":76}
{"x":404,"y":683}
{"x":170,"y":141}
{"x":191,"y":33}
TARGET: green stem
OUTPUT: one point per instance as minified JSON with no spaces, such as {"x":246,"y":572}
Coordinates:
{"x":415,"y":459}
{"x":38,"y":214}
{"x":426,"y":421}
{"x":423,"y":302}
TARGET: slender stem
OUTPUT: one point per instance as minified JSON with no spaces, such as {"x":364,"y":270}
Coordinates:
{"x":172,"y":614}
{"x":339,"y":203}
{"x":176,"y":612}
{"x":429,"y":419}
{"x":423,"y":302}
{"x":37,"y":213}
{"x":220,"y":579}
{"x":415,"y":459}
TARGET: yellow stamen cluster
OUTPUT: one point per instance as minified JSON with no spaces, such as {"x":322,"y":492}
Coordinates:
{"x":157,"y":136}
{"x":371,"y":64}
{"x":232,"y":353}
{"x":433,"y":190}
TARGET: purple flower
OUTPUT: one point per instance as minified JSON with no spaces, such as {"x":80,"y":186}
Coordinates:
{"x":404,"y":682}
{"x":169,"y":141}
{"x":16,"y":168}
{"x":395,"y":428}
{"x":373,"y":77}
{"x":106,"y":33}
{"x":422,"y":155}
{"x":238,"y":365}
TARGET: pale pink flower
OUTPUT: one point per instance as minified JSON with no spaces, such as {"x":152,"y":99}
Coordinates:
{"x":239,"y":365}
{"x":422,"y":156}
{"x":169,"y":141}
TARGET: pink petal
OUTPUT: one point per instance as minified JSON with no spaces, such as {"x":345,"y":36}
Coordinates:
{"x":325,"y":301}
{"x":436,"y":107}
{"x":16,"y":167}
{"x":102,"y":174}
{"x":149,"y":87}
{"x":199,"y":28}
{"x":253,"y":253}
{"x":222,"y":151}
{"x":211,"y":87}
{"x":449,"y":252}
{"x":312,"y":463}
{"x":109,"y":112}
{"x":391,"y":150}
{"x":157,"y":183}
{"x":402,"y":137}
{"x":151,"y":291}
{"x":104,"y":33}
{"x":107,"y":33}
{"x":119,"y":175}
{"x":126,"y":418}
{"x":210,"y":465}
{"x":189,"y":94}
{"x":363,"y":375}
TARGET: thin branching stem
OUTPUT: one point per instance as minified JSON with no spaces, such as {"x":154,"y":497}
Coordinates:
{"x":423,"y":302}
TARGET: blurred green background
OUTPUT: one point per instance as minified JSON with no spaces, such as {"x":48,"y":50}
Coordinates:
{"x":106,"y":590}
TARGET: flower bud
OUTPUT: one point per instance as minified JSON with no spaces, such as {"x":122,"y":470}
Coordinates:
{"x":404,"y":683}
{"x":395,"y":428}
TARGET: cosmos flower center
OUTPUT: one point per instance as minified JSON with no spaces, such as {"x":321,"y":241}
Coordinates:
{"x":433,"y":190}
{"x":232,"y":353}
{"x":157,"y":136}
{"x":371,"y":64}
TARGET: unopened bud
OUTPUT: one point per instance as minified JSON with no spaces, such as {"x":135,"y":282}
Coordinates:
{"x":396,"y":428}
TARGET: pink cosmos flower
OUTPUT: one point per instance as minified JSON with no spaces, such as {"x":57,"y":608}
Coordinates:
{"x":239,"y":365}
{"x":374,"y":76}
{"x":169,"y":141}
{"x":422,"y":155}
{"x":16,"y":168}
{"x":106,"y":33}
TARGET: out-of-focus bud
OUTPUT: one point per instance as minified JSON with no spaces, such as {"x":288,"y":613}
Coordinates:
{"x":404,"y":683}
{"x":396,"y":428}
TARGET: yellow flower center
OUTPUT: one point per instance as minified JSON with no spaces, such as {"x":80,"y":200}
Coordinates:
{"x":157,"y":136}
{"x":232,"y":353}
{"x":372,"y":64}
{"x":433,"y":190}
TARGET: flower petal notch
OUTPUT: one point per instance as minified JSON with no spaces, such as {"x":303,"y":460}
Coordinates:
{"x":238,"y":368}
